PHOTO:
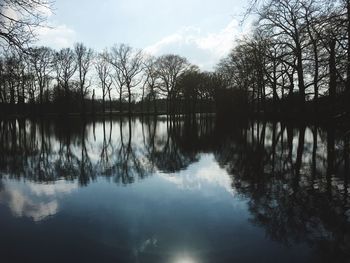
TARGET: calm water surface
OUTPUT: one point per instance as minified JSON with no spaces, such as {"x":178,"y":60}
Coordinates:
{"x":183,"y":192}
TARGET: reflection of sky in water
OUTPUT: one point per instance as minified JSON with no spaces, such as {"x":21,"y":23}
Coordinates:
{"x":39,"y":201}
{"x":180,"y":217}
{"x":181,"y":206}
{"x":161,"y":213}
{"x":32,"y":200}
{"x":204,"y":174}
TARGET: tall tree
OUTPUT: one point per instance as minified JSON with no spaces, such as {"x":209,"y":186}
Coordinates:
{"x":84,"y":57}
{"x":169,"y":68}
{"x":41,"y":59}
{"x":284,"y":18}
{"x":65,"y":66}
{"x":104,"y":75}
{"x":151,"y":81}
{"x":127,"y":63}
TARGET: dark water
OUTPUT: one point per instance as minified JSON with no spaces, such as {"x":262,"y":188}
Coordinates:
{"x":184,"y":192}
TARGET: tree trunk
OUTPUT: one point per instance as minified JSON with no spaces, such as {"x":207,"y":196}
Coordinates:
{"x":155,"y":105}
{"x":129,"y":101}
{"x":348,"y":51}
{"x":110,"y":104}
{"x":41,"y":87}
{"x":103,"y":104}
{"x":300,"y":72}
{"x":332,"y":74}
{"x":120,"y":101}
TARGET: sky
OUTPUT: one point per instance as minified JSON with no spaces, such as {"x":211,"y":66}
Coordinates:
{"x":201,"y":30}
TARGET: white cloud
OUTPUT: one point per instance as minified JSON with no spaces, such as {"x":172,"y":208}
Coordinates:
{"x":156,"y":48}
{"x":203,"y":49}
{"x":45,"y":10}
{"x":56,"y":36}
{"x":17,"y":13}
{"x":220,"y":43}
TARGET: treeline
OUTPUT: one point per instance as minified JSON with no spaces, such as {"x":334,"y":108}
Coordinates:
{"x":297,"y":59}
{"x":40,"y":80}
{"x":120,"y":79}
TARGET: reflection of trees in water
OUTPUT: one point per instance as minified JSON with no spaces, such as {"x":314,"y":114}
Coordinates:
{"x":86,"y":169}
{"x":18,"y":141}
{"x":167,"y":156}
{"x":296,"y":181}
{"x":124,"y":149}
{"x":181,"y":143}
{"x":66,"y":164}
{"x":128,"y":165}
{"x":104,"y":160}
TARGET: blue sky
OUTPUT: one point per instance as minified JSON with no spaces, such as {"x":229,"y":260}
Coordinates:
{"x":203,"y":31}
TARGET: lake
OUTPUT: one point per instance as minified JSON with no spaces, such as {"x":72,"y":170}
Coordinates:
{"x":180,"y":191}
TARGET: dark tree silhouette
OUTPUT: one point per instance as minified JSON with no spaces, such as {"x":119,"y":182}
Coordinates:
{"x":19,"y":19}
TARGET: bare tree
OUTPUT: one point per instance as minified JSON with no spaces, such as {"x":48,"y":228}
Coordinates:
{"x":104,"y":75}
{"x":41,"y":59}
{"x":65,"y":66}
{"x":127,"y":63}
{"x":286,"y":21}
{"x":12,"y":77}
{"x":19,"y":19}
{"x":169,"y":68}
{"x":151,"y":81}
{"x":84,"y":57}
{"x":118,"y":80}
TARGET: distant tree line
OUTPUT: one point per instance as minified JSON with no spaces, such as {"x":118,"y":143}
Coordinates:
{"x":41,"y":80}
{"x":69,"y":80}
{"x":296,"y":60}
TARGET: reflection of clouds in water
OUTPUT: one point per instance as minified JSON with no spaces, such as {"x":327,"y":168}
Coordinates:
{"x":22,"y":206}
{"x":60,"y":187}
{"x":23,"y":201}
{"x":206,"y":171}
{"x":148,"y":243}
